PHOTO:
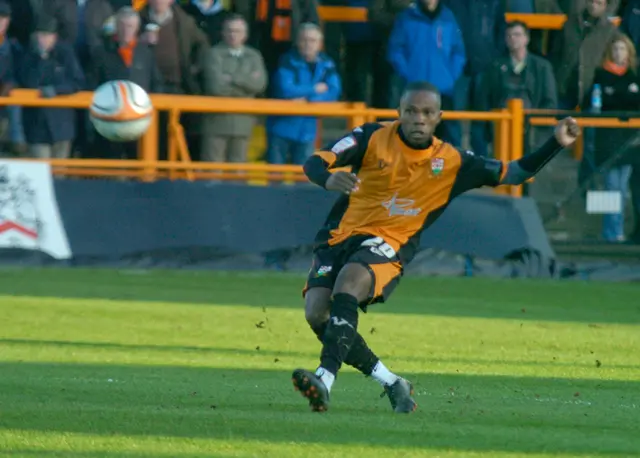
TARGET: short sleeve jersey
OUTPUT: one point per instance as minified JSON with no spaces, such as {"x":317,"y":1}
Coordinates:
{"x":403,"y":190}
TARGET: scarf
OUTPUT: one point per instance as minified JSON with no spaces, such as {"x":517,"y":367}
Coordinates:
{"x":126,"y":52}
{"x":614,"y":68}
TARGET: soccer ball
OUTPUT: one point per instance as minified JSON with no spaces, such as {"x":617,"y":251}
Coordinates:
{"x":121,"y":110}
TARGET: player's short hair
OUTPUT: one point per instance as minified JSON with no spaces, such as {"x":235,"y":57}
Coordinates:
{"x":514,"y":24}
{"x":421,"y":86}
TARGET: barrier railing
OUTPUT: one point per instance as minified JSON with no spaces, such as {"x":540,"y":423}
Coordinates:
{"x":533,"y":21}
{"x":508,"y":125}
{"x":612,"y":120}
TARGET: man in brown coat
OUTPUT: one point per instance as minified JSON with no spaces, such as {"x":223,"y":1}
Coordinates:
{"x":579,"y":50}
{"x":179,"y":46}
{"x":232,"y":70}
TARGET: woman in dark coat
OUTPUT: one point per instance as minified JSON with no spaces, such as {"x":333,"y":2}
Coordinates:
{"x":620,"y":87}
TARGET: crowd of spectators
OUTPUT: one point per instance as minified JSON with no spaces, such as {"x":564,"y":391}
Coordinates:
{"x":279,"y":49}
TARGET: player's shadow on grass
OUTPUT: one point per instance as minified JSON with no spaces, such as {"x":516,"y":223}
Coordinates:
{"x":270,"y":354}
{"x":458,"y":412}
{"x":486,"y":298}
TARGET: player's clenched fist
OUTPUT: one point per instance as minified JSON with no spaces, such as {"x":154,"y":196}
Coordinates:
{"x":345,"y":182}
{"x":567,"y":131}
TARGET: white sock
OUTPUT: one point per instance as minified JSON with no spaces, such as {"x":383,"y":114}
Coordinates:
{"x":327,"y":377}
{"x":383,"y":375}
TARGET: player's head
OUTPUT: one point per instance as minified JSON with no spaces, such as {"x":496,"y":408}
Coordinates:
{"x":420,"y":111}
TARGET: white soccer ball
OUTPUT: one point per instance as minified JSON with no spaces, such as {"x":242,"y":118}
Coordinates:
{"x":121,"y":111}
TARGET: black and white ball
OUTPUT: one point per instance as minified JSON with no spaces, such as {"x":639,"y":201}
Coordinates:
{"x":121,"y":110}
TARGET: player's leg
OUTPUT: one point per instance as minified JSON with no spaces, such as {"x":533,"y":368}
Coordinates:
{"x":317,"y":306}
{"x":370,"y":275}
{"x":317,"y":314}
{"x":350,"y":288}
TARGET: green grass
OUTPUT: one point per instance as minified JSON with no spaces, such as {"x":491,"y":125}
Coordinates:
{"x":98,"y":363}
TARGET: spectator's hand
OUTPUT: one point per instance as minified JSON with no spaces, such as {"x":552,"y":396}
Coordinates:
{"x":567,"y":131}
{"x":150,"y":38}
{"x":321,"y":88}
{"x":345,"y":182}
{"x":47,"y":92}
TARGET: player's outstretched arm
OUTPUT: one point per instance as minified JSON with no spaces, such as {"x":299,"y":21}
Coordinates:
{"x":346,"y":151}
{"x":566,"y":133}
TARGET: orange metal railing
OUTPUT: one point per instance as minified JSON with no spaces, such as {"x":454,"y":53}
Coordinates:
{"x":609,"y":122}
{"x":533,"y":21}
{"x":354,"y":14}
{"x":508,"y":128}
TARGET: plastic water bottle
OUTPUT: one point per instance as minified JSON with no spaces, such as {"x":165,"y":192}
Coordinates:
{"x":596,"y":99}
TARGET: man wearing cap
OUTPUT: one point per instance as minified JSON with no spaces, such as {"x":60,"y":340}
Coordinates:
{"x":51,"y":67}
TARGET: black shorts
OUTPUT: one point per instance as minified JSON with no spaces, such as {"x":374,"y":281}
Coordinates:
{"x":367,"y":250}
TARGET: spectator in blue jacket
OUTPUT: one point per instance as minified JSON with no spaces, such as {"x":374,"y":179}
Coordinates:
{"x":10,"y":117}
{"x":426,"y":45}
{"x":51,"y":67}
{"x":304,"y":74}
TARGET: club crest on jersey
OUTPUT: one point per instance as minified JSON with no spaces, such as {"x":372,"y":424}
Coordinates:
{"x":344,"y":144}
{"x":437,"y":165}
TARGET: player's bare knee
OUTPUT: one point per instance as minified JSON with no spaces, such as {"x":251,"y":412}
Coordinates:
{"x":317,"y":306}
{"x":354,"y":279}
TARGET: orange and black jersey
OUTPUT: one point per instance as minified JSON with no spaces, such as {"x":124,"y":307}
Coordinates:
{"x":402,"y":191}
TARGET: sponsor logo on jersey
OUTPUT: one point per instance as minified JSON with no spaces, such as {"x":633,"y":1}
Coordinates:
{"x":401,"y":207}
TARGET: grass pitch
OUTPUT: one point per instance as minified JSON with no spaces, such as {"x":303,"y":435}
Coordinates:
{"x":97,"y":363}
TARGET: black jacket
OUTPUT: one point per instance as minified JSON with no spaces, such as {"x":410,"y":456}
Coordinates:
{"x":61,"y":70}
{"x":483,"y":27}
{"x":108,"y":65}
{"x":538,"y":77}
{"x":619,"y":93}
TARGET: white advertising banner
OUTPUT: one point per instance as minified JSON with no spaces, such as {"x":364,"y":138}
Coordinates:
{"x":29,"y":214}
